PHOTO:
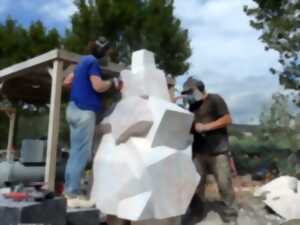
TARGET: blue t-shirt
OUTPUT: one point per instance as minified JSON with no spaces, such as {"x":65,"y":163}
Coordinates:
{"x":82,"y":92}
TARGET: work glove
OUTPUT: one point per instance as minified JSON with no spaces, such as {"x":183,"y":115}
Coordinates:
{"x":117,"y":84}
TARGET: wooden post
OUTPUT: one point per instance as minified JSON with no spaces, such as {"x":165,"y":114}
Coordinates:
{"x":12,"y":120}
{"x":53,"y":130}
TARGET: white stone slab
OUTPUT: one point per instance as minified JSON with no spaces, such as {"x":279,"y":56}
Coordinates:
{"x":131,"y":118}
{"x":136,"y":182}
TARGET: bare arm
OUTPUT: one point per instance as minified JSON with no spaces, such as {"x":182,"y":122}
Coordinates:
{"x":222,"y":122}
{"x":68,"y":80}
{"x":100,"y":85}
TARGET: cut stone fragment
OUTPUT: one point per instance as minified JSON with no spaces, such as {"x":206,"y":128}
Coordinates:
{"x":141,"y":182}
{"x":281,"y":185}
{"x":172,"y":125}
{"x":285,"y":205}
{"x":131,"y":118}
{"x":282,"y":195}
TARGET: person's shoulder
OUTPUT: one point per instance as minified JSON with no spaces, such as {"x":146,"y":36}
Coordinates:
{"x":88,"y":59}
{"x":215,"y":97}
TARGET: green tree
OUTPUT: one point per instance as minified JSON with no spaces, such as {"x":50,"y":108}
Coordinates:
{"x":18,"y":44}
{"x":279,"y":21}
{"x":132,"y":25}
{"x":280,"y":127}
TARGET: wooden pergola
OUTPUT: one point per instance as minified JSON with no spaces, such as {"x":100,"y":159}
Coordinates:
{"x":30,"y":82}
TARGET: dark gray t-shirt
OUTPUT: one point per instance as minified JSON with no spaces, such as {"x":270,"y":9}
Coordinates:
{"x":211,"y":142}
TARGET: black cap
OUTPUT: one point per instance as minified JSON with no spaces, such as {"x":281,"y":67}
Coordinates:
{"x":192,"y":82}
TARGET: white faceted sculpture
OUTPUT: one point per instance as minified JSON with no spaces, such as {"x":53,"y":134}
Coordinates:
{"x":143,"y":169}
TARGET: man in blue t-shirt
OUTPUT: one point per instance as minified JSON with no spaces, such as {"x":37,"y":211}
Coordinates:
{"x":85,"y":102}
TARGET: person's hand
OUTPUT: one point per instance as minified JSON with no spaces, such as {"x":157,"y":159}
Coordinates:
{"x":117,"y":83}
{"x":201,"y":128}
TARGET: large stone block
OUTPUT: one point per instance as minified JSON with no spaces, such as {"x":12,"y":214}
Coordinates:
{"x":83,"y":217}
{"x":47,"y":212}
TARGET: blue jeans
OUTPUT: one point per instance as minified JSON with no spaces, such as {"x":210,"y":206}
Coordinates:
{"x":82,"y":126}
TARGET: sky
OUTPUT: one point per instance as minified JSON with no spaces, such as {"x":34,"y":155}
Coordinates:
{"x":227,"y":54}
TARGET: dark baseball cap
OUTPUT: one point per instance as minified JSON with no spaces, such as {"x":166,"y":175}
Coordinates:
{"x":190,"y":82}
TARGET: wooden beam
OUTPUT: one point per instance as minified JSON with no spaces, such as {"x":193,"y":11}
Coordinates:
{"x":54,"y":117}
{"x":11,"y":131}
{"x":12,"y":70}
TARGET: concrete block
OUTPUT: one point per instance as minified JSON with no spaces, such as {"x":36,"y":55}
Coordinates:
{"x":83,"y":217}
{"x":47,"y":212}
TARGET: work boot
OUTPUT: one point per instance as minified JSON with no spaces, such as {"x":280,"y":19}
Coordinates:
{"x":197,"y":207}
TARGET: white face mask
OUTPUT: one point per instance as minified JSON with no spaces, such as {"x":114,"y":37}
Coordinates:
{"x":198,"y":95}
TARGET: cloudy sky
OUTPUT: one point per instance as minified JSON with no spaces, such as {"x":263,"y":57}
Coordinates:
{"x":227,"y":54}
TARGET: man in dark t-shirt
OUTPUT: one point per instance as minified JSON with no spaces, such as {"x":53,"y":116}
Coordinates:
{"x":210,"y":146}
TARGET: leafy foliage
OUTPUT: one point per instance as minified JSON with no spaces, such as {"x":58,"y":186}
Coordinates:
{"x":279,"y":21}
{"x":279,"y":125}
{"x":18,"y":44}
{"x":132,"y":25}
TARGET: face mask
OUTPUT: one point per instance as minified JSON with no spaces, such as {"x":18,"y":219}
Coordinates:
{"x":193,"y":98}
{"x":198,"y":95}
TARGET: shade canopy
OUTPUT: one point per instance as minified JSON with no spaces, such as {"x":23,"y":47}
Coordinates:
{"x":30,"y":81}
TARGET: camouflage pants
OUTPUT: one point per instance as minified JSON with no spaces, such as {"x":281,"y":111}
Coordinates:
{"x":219,"y":166}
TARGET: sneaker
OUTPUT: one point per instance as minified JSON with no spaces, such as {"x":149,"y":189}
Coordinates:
{"x":79,"y":203}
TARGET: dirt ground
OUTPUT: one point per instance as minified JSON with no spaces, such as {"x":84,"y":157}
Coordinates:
{"x":251,"y":210}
